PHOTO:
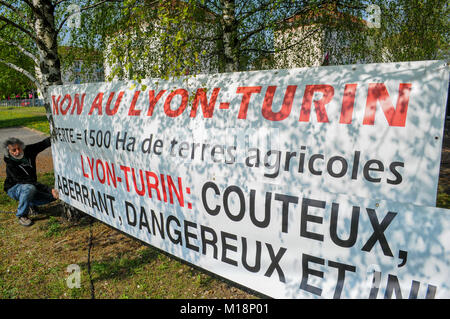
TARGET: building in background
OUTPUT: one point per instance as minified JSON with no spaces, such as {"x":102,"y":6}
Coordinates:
{"x":80,"y":65}
{"x":145,"y":49}
{"x":323,"y":39}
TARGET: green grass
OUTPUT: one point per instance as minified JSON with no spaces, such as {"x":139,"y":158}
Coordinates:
{"x":53,"y":227}
{"x":33,"y":117}
{"x":443,"y":199}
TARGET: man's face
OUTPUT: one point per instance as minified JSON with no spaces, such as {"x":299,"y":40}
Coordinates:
{"x":15,"y":150}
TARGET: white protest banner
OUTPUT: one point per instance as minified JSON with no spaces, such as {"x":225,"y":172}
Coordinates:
{"x":241,"y":173}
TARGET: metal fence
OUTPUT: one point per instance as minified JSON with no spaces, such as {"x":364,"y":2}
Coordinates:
{"x":22,"y":102}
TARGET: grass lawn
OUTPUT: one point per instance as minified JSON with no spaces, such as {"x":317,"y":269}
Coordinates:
{"x":34,"y":260}
{"x":33,"y":117}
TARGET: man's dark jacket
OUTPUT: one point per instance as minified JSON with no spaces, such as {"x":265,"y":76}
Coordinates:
{"x":23,"y":171}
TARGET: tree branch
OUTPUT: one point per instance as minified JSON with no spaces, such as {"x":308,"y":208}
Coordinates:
{"x":20,"y":28}
{"x":18,"y":12}
{"x":247,"y":14}
{"x":296,"y":43}
{"x":24,"y":72}
{"x":29,"y":3}
{"x":22,"y":49}
{"x":59,"y":2}
{"x":83,"y":9}
{"x":264,"y":26}
{"x":32,"y":7}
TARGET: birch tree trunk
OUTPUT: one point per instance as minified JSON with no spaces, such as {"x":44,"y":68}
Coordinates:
{"x":46,"y":35}
{"x":230,"y":38}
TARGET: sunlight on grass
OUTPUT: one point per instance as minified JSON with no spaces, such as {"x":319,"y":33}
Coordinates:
{"x":32,"y":117}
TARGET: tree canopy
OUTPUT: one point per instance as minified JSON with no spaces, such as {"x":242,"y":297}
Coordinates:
{"x":228,"y":35}
{"x":413,"y":30}
{"x":158,"y":38}
{"x":35,"y":29}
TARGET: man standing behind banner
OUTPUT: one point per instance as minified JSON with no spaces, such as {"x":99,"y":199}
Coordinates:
{"x":21,"y":178}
